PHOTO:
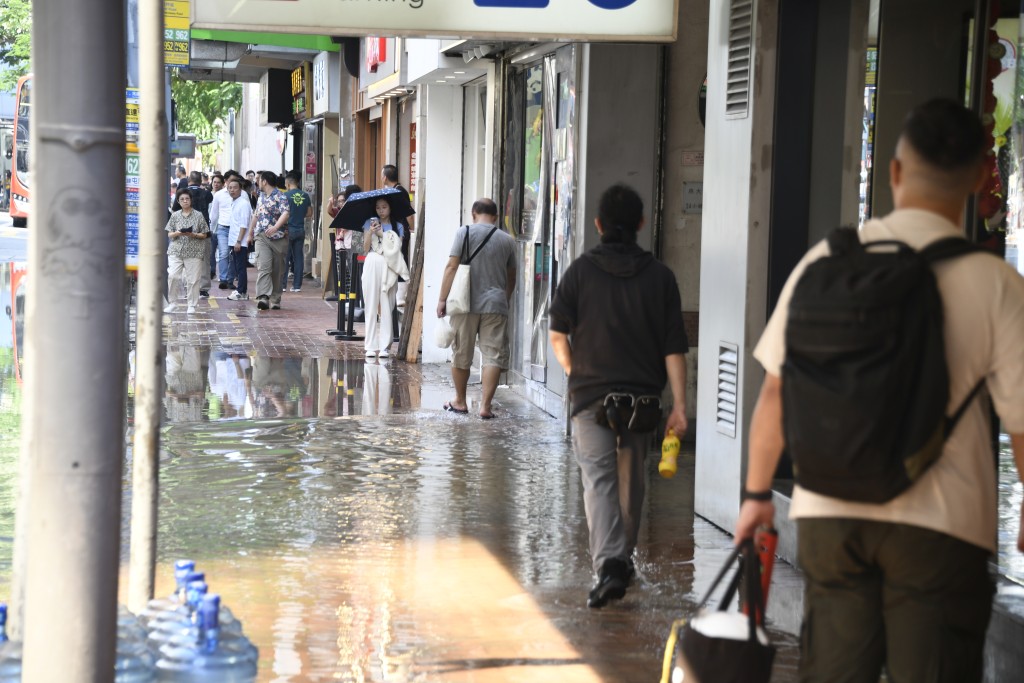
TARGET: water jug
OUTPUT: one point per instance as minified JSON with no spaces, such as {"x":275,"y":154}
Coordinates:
{"x":183,"y":569}
{"x":206,"y":656}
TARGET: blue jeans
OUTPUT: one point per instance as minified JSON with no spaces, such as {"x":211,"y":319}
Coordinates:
{"x":294,"y":259}
{"x":239,"y":261}
{"x":225,"y":262}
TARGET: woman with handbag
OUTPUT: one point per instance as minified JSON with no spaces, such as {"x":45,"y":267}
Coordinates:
{"x":379,"y":287}
{"x":186,"y":254}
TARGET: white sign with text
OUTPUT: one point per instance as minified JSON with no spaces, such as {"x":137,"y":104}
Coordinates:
{"x":591,"y":20}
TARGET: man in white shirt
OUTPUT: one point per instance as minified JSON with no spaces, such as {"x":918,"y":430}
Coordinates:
{"x":239,"y":215}
{"x":905,"y":583}
{"x":220,"y":217}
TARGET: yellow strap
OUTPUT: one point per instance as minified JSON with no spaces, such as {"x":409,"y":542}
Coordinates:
{"x":670,"y":650}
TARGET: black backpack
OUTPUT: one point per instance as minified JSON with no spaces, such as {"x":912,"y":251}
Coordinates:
{"x":865,"y":383}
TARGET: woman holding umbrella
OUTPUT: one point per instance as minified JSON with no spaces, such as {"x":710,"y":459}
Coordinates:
{"x":380,"y":216}
{"x":379,"y":286}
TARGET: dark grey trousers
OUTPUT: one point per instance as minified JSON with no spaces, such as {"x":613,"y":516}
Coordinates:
{"x":879,"y":594}
{"x":613,"y":485}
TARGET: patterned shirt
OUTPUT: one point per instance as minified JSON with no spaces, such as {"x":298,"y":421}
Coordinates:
{"x":269,"y":210}
{"x":185,"y":247}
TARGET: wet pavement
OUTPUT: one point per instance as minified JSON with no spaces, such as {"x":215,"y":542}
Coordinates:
{"x":362,"y":534}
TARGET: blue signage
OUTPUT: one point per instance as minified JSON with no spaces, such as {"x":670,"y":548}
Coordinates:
{"x":524,"y":4}
{"x":512,"y":3}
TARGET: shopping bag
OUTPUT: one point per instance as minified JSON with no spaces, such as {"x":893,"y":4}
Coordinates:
{"x":444,"y":334}
{"x":458,"y":296}
{"x":458,"y":301}
{"x":723,"y":646}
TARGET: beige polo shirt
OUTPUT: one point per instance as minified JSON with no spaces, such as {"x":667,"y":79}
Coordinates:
{"x":984,"y":334}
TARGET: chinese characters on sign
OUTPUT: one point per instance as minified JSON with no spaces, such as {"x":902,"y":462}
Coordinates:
{"x":693,"y":198}
{"x":177,"y":36}
{"x":300,"y":99}
{"x":131,"y":178}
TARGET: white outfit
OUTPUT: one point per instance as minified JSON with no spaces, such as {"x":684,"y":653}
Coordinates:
{"x":375,"y":270}
{"x":191,"y":269}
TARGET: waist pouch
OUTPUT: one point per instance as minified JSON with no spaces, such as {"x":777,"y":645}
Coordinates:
{"x":620,"y":412}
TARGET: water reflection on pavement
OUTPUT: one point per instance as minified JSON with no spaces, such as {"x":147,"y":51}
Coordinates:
{"x":397,"y":542}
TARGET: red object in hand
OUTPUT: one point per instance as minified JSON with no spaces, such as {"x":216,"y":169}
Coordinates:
{"x":765,"y":541}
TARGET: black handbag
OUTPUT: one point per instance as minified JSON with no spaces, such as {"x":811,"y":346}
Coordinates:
{"x":724,"y":647}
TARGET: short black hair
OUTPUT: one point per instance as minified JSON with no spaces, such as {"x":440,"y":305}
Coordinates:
{"x":250,"y":171}
{"x":351,"y":190}
{"x":621,"y":211}
{"x":946,"y":135}
{"x":184,"y":190}
{"x":230,"y":171}
{"x":390,"y":173}
{"x":485,"y":207}
{"x":293,"y":176}
{"x":181,"y":169}
{"x":280,"y":181}
{"x":268,"y":177}
{"x":195,"y":177}
{"x":234,"y":178}
{"x":218,"y":175}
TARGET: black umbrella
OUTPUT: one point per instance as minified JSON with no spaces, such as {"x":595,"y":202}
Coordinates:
{"x":362,"y":206}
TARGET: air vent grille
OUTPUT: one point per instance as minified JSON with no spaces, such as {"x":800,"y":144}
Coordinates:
{"x":741,"y":36}
{"x":728,"y":381}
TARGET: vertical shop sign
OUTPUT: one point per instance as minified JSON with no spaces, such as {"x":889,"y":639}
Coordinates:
{"x":131,"y":178}
{"x":376,"y":53}
{"x":412,"y":157}
{"x":177,"y":36}
{"x":300,"y":92}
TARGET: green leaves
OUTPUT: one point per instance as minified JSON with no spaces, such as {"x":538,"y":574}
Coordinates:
{"x":202,"y":108}
{"x":15,"y":41}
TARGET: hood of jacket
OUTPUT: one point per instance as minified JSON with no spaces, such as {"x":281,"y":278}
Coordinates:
{"x":620,"y":260}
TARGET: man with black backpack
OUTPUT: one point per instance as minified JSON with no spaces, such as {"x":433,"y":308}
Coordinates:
{"x":875,"y":359}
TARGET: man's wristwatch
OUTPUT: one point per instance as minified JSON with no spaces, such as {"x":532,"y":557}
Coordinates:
{"x":762,"y":496}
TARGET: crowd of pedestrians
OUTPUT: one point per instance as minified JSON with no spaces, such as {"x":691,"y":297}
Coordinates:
{"x":241,"y":215}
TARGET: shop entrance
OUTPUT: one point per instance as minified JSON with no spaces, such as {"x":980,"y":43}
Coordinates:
{"x":537,"y":208}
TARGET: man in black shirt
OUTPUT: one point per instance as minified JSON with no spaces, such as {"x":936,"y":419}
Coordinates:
{"x":617,"y":329}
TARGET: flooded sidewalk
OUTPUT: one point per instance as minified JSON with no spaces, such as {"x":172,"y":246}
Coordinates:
{"x":361,"y":533}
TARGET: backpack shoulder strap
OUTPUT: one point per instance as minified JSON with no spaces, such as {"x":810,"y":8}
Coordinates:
{"x":843,"y":240}
{"x":949,"y":247}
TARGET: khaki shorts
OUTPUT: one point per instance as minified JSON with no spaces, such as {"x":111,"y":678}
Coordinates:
{"x":491,"y":329}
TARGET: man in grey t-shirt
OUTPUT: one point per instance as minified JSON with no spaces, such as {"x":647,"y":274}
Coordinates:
{"x":492,"y":278}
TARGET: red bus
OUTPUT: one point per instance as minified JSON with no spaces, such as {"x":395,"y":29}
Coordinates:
{"x":20,"y":178}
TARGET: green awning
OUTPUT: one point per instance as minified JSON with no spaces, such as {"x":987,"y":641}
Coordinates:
{"x":318,"y":43}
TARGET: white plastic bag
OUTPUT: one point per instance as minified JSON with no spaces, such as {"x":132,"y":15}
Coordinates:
{"x":444,"y":333}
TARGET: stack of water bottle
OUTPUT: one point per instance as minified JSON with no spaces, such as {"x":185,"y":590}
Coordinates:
{"x":185,"y":637}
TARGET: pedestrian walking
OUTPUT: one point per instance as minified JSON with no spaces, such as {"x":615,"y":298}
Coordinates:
{"x":268,"y":231}
{"x":220,"y":216}
{"x":492,"y":281}
{"x":299,"y":204}
{"x":904,"y":583}
{"x":186,"y":254}
{"x":379,"y":278}
{"x":237,"y":238}
{"x":616,"y":327}
{"x":201,"y":200}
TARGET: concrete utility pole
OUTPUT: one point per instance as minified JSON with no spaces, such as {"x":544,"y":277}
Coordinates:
{"x":149,"y":348}
{"x":73,"y":424}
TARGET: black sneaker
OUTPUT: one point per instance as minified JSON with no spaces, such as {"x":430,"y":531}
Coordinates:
{"x":224,"y":284}
{"x":262,"y":303}
{"x":611,"y":584}
{"x":205,"y":293}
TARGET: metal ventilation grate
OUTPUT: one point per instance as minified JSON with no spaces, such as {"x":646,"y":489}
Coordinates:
{"x":728,"y":381}
{"x":741,"y":33}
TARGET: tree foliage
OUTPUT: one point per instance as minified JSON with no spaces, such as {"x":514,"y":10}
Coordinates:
{"x":15,"y":41}
{"x":202,"y":108}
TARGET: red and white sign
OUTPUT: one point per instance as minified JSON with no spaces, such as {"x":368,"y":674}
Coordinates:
{"x":376,"y":53}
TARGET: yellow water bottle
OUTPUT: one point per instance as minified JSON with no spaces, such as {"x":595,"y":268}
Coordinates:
{"x":669,"y":455}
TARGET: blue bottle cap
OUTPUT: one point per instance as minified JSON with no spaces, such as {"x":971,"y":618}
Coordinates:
{"x":194,"y":593}
{"x":184,"y":564}
{"x":209,"y":611}
{"x":3,"y":613}
{"x":194,"y":576}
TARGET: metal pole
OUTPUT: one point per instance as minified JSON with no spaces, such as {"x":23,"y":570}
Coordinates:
{"x":149,"y":349}
{"x":73,"y":424}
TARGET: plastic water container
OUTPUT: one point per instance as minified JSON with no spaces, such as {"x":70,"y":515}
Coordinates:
{"x":135,"y":663}
{"x":179,"y":620}
{"x":10,"y":652}
{"x":182,"y":570}
{"x":206,"y":656}
{"x":129,"y":626}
